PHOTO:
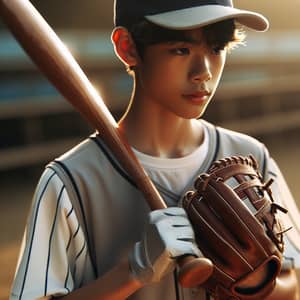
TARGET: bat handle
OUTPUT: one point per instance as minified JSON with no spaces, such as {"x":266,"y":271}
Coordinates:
{"x":194,"y":271}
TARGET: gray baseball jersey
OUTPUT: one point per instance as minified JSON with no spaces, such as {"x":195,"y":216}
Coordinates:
{"x":87,"y":213}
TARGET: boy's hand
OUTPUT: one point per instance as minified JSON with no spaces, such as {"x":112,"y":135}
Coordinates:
{"x":168,"y":235}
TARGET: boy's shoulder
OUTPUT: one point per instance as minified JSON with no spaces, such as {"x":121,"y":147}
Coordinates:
{"x":89,"y":158}
{"x":86,"y":150}
{"x":91,"y":150}
{"x":228,"y":143}
{"x":240,"y":139}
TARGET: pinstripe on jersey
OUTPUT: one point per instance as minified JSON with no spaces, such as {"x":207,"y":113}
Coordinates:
{"x":52,"y":232}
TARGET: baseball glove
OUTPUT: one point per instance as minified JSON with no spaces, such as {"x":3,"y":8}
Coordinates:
{"x":234,"y":218}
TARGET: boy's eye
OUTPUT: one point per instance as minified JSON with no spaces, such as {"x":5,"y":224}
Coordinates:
{"x":217,"y":49}
{"x":180,"y":51}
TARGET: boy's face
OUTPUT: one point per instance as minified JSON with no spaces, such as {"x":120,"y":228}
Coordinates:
{"x":180,"y":77}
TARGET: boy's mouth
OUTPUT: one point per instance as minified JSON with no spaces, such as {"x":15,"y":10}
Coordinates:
{"x":198,"y":97}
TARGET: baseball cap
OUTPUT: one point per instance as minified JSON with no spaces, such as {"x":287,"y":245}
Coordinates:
{"x":184,"y":14}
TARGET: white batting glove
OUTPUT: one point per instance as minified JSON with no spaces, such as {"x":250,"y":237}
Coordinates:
{"x":168,"y":235}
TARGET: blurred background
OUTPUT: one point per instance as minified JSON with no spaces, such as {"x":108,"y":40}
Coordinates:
{"x":259,"y":95}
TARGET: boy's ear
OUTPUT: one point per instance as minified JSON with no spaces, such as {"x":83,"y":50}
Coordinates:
{"x":124,"y":46}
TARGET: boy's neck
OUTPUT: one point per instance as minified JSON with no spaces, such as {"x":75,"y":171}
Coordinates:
{"x":161,"y":135}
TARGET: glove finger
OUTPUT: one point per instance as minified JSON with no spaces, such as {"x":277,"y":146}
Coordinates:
{"x":176,"y":232}
{"x":215,"y":240}
{"x":184,"y":233}
{"x":176,"y":221}
{"x":175,"y":228}
{"x":159,"y":214}
{"x":237,"y":218}
{"x":209,"y":217}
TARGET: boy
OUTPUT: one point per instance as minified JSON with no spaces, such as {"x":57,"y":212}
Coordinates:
{"x":90,"y":234}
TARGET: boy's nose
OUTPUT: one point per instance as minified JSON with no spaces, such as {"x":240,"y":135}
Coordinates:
{"x":200,"y":70}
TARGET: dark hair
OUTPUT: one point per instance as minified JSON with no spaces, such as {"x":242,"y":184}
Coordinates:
{"x":220,"y":35}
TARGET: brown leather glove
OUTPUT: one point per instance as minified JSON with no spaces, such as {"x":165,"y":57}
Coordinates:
{"x":233,"y":215}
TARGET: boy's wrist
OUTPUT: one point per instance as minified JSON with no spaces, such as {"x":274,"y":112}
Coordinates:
{"x":138,"y":267}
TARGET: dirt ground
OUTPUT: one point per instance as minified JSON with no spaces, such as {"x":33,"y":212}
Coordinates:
{"x":17,"y":187}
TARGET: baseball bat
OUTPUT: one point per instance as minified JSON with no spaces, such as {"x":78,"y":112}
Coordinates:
{"x":54,"y":60}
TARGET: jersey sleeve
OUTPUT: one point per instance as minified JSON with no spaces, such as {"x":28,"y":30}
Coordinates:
{"x":283,"y":196}
{"x":53,"y":259}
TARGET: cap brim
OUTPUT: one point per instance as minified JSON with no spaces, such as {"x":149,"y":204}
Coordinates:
{"x":194,"y":17}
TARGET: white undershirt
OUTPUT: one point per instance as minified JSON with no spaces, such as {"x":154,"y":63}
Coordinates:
{"x":175,"y":173}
